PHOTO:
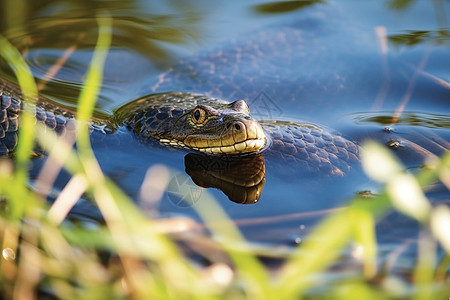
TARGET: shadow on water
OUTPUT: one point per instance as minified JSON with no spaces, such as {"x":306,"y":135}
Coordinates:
{"x":409,"y":118}
{"x":241,"y":179}
{"x":284,"y":6}
{"x":415,"y":37}
{"x":412,"y":38}
{"x":57,"y":24}
{"x":57,"y":39}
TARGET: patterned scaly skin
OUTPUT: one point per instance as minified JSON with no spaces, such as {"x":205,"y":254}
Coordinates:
{"x":54,"y":118}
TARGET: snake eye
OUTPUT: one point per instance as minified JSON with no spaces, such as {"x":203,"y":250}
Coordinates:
{"x":199,"y":115}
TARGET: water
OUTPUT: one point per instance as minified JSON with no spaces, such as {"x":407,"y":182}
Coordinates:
{"x":346,"y":65}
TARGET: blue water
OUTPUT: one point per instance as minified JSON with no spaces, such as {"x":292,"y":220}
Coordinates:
{"x":335,"y":73}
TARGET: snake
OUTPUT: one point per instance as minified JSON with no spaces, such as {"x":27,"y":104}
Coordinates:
{"x":195,"y":123}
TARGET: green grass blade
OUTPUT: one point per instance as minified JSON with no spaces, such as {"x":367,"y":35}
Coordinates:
{"x":27,"y":127}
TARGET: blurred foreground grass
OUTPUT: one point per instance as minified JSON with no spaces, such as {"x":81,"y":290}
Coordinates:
{"x":132,"y":256}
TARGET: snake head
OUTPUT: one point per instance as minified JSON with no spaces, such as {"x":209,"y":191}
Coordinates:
{"x":194,"y":122}
{"x":214,"y":129}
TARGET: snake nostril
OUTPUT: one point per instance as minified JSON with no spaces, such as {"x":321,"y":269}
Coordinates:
{"x":237,"y":126}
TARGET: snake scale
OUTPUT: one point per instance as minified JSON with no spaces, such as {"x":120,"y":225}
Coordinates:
{"x":197,"y":123}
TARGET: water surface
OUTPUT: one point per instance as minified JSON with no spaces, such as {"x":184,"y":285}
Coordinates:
{"x":350,"y":66}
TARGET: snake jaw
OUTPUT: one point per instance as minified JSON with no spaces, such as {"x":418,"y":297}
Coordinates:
{"x":244,"y":135}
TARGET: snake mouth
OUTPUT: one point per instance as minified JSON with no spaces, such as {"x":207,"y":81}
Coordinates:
{"x":239,"y":137}
{"x":248,"y":146}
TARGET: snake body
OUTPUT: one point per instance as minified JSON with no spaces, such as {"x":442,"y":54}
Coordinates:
{"x":197,"y":123}
{"x":167,"y":117}
{"x":11,"y":106}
